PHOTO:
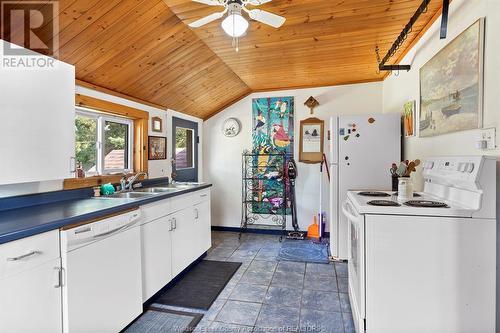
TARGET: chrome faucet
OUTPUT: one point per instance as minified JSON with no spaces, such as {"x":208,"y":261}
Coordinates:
{"x":128,"y":183}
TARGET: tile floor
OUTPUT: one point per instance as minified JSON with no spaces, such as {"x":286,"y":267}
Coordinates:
{"x":267,"y":295}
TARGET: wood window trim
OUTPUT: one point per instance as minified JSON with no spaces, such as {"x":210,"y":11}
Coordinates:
{"x":140,"y":153}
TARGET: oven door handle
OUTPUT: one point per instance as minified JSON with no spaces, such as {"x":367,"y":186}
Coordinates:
{"x":346,"y":211}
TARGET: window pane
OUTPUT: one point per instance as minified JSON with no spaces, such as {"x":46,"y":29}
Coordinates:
{"x":86,"y":139}
{"x":183,"y":148}
{"x":115,"y":145}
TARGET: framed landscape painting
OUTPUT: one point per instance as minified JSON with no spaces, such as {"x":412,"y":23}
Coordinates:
{"x":451,"y":85}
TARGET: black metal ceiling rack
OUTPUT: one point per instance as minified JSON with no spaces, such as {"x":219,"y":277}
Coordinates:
{"x":404,"y":35}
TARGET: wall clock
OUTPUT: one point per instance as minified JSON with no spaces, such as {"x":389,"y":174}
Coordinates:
{"x":231,"y":127}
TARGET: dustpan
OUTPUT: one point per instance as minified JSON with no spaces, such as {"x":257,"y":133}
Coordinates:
{"x":313,"y":229}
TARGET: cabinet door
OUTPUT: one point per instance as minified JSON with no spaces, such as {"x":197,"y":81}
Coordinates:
{"x":184,"y":240}
{"x":38,"y":124}
{"x":156,"y":256}
{"x":203,"y":226}
{"x":30,"y":301}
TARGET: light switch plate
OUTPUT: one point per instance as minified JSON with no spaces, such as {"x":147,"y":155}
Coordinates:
{"x":488,"y":136}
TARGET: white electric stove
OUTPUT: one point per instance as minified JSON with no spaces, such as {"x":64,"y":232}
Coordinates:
{"x":426,"y":264}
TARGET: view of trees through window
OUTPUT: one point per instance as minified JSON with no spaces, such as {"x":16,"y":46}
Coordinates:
{"x":115,"y":145}
{"x":115,"y":150}
{"x":86,"y":142}
{"x":183,"y":148}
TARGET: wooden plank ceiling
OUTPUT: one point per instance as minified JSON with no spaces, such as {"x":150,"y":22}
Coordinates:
{"x":144,"y":48}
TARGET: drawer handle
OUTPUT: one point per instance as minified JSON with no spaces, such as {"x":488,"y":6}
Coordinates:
{"x":82,"y":230}
{"x":24,"y":256}
{"x":204,"y":195}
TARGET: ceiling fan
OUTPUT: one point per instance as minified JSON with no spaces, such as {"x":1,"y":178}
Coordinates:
{"x":235,"y":25}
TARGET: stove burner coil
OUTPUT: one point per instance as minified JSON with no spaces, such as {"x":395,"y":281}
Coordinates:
{"x":426,"y":203}
{"x":385,"y":203}
{"x":374,"y":194}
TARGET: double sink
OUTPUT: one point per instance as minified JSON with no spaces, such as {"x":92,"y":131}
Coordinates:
{"x":151,"y":191}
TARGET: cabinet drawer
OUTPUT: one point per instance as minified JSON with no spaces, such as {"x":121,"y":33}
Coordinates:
{"x":21,"y":255}
{"x":181,"y":202}
{"x":156,"y":210}
{"x":201,"y":196}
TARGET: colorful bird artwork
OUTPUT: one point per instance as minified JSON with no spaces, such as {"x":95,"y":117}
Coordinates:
{"x":273,"y":175}
{"x":260,"y":120}
{"x":280,"y":137}
{"x":273,"y":133}
{"x":276,"y":202}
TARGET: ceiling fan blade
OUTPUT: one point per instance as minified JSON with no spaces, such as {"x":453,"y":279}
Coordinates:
{"x":267,"y":17}
{"x":209,"y":2}
{"x":258,"y":2}
{"x":207,"y":19}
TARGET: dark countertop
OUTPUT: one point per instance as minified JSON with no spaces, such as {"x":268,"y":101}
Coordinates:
{"x":28,"y":221}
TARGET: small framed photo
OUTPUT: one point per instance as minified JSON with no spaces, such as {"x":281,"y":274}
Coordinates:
{"x":157,"y":148}
{"x":311,"y":140}
{"x":156,"y":124}
{"x":409,"y":119}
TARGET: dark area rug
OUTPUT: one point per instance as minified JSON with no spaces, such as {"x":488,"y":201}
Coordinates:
{"x":164,"y":321}
{"x":304,"y":251}
{"x":199,"y":287}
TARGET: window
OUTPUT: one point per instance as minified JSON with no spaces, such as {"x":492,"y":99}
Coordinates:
{"x":103,"y":142}
{"x":184,"y":149}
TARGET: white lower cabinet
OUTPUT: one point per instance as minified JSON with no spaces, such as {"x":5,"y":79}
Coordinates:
{"x":156,"y":256}
{"x":172,"y":242}
{"x":203,"y":225}
{"x":31,"y":301}
{"x":184,"y":240}
{"x":30,"y":285}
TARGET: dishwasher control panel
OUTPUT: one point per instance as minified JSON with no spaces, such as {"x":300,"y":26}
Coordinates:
{"x":94,"y":231}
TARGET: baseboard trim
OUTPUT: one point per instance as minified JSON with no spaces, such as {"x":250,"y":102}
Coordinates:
{"x":254,"y":231}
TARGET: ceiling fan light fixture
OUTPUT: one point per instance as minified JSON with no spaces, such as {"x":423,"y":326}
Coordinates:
{"x":235,"y":25}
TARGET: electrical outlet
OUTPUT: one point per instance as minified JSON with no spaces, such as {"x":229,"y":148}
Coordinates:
{"x":487,"y":139}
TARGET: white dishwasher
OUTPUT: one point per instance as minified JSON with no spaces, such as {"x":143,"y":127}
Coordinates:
{"x":102,"y":291}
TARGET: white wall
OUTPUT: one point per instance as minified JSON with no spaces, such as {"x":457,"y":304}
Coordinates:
{"x":160,"y":168}
{"x":223,"y":155}
{"x":399,"y":89}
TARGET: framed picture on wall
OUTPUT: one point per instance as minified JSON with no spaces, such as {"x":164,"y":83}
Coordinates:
{"x":157,"y":148}
{"x":156,"y":124}
{"x":451,"y":85}
{"x":409,"y":120}
{"x":311,"y":140}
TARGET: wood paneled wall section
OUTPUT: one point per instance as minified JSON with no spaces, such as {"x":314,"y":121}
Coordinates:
{"x":144,"y":50}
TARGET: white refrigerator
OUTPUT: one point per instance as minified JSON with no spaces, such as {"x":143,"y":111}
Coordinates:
{"x":362,"y":149}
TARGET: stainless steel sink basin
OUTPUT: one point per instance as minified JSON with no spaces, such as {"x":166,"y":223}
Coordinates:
{"x":187,"y":184}
{"x":182,"y":185}
{"x":156,"y":190}
{"x":131,"y":195}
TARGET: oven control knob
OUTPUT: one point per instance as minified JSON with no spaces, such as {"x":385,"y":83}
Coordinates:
{"x":470,"y":167}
